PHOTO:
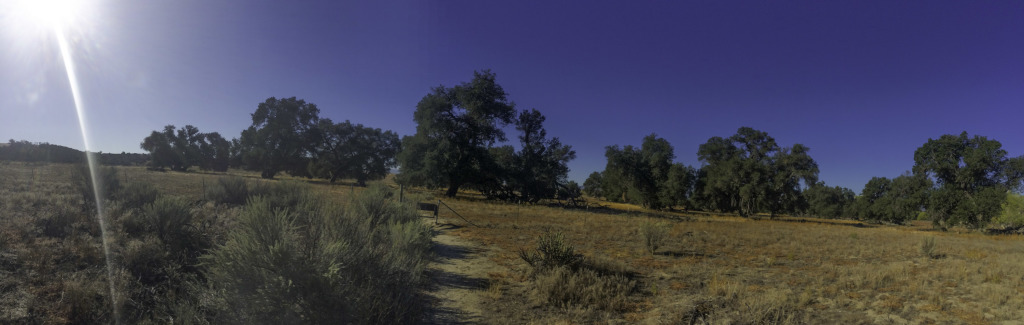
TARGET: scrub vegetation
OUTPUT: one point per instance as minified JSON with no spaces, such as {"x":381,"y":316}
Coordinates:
{"x":199,"y":248}
{"x":297,"y":221}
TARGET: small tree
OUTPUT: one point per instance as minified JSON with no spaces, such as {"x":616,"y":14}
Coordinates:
{"x":592,"y":186}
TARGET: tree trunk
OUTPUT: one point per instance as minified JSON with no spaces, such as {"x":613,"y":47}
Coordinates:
{"x":268,"y":174}
{"x":452,"y":190}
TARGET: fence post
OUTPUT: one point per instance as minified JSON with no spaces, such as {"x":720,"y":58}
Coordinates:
{"x":401,"y":193}
{"x":436,"y":209}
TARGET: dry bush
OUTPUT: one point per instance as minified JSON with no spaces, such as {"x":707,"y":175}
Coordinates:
{"x":231,"y":190}
{"x":653,"y":234}
{"x":928,"y":247}
{"x":106,"y":177}
{"x":552,"y":251}
{"x":136,"y":195}
{"x":58,"y":220}
{"x":84,"y":301}
{"x":565,"y":287}
{"x":563,"y":278}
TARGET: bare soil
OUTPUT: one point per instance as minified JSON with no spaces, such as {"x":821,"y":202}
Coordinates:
{"x":460,"y":279}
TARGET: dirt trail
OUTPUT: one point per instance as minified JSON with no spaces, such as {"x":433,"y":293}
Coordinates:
{"x":459,"y":274}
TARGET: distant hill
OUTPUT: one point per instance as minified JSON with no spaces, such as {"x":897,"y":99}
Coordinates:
{"x":45,"y":152}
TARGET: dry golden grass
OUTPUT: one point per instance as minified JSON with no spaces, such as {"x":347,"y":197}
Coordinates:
{"x":710,"y":268}
{"x":725,"y":269}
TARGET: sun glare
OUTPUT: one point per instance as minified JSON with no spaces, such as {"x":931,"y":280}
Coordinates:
{"x":51,"y":13}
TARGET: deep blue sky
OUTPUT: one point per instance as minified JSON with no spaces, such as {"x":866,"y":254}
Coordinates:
{"x":862,"y":83}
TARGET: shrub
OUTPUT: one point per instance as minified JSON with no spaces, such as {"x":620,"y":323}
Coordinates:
{"x":170,"y":219}
{"x":261,"y":270}
{"x":1012,"y":213}
{"x":552,"y":251}
{"x":285,"y":195}
{"x":928,"y":248}
{"x":83,"y":182}
{"x":562,"y":277}
{"x":321,"y":264}
{"x":235,"y":190}
{"x":232,"y":190}
{"x":145,"y":260}
{"x":58,"y":221}
{"x":565,"y":287}
{"x":136,"y":195}
{"x":653,"y":235}
{"x":153,"y":286}
{"x":83,"y":301}
{"x":132,"y":222}
{"x":376,"y":205}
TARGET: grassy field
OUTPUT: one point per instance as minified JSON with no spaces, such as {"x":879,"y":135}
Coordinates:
{"x":705,"y":269}
{"x":725,"y":269}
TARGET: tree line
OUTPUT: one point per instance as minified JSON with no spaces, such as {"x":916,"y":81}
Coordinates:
{"x":956,"y":180}
{"x":460,"y":143}
{"x":51,"y":153}
{"x":286,"y":135}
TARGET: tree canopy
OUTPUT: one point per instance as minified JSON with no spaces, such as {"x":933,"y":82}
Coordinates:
{"x":280,"y":138}
{"x":893,"y":200}
{"x":180,"y":149}
{"x":537,"y":171}
{"x":828,"y":201}
{"x":972,"y":175}
{"x":749,"y":173}
{"x":346,"y":150}
{"x":455,"y":129}
{"x":646,"y":175}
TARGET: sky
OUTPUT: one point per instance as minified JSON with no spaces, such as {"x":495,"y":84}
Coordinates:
{"x":862,"y":83}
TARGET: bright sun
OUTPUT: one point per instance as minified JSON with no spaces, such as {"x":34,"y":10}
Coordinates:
{"x":50,"y":13}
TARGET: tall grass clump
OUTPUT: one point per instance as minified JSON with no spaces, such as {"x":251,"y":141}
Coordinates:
{"x":321,"y":263}
{"x":552,"y":251}
{"x":653,"y":235}
{"x":158,"y":259}
{"x":232,"y":190}
{"x":285,"y":195}
{"x":236,"y":190}
{"x":170,"y":219}
{"x":928,"y":248}
{"x":82,"y":180}
{"x":563,"y":278}
{"x":136,"y":195}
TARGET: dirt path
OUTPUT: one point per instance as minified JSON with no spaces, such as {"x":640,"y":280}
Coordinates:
{"x":459,"y":274}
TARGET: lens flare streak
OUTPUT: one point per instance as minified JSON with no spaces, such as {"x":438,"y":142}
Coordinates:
{"x":69,"y":67}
